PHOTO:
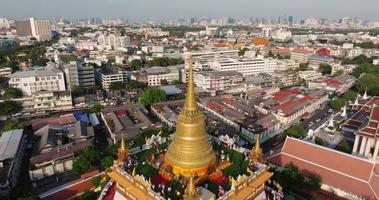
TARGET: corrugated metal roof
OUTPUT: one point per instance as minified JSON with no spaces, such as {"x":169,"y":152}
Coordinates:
{"x":9,"y":143}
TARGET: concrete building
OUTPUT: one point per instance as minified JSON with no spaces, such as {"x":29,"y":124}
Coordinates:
{"x":218,"y":81}
{"x":39,"y":29}
{"x":47,"y":78}
{"x":209,"y":56}
{"x":42,"y":101}
{"x":155,"y":75}
{"x":245,"y":66}
{"x":309,"y":75}
{"x":112,"y":42}
{"x":79,"y":74}
{"x":300,"y":55}
{"x":108,"y":74}
{"x":12,"y":144}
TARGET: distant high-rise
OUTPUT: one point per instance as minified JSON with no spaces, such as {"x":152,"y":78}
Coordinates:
{"x":40,"y":29}
{"x":290,"y":20}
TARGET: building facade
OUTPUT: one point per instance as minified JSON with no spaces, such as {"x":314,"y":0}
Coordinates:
{"x":246,"y":67}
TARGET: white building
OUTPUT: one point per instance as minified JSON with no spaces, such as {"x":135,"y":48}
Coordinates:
{"x":155,"y":75}
{"x":218,"y":81}
{"x":245,"y":66}
{"x":48,"y":78}
{"x":310,"y":75}
{"x":106,"y":75}
{"x":40,"y":29}
{"x":112,"y":42}
{"x":209,"y":56}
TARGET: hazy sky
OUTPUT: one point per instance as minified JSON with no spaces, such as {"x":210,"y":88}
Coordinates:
{"x":137,"y":10}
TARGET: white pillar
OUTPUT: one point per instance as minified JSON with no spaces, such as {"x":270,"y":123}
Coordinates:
{"x":363,"y":146}
{"x":356,"y":142}
{"x":368,"y":146}
{"x":375,"y":155}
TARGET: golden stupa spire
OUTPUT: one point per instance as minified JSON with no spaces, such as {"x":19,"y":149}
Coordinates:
{"x":190,"y":153}
{"x":191,"y":192}
{"x":122,"y":151}
{"x":256,"y":153}
{"x":190,"y":106}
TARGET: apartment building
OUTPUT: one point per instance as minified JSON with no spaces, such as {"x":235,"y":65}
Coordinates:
{"x":12,"y":144}
{"x":218,"y":81}
{"x":245,"y":66}
{"x":79,"y":74}
{"x":155,"y":75}
{"x":42,"y":101}
{"x":310,"y":75}
{"x":47,"y":78}
{"x":300,"y":55}
{"x":112,"y":42}
{"x":40,"y":29}
{"x":108,"y":74}
{"x":210,"y":55}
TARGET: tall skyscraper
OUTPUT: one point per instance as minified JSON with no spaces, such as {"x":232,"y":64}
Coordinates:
{"x":290,"y":20}
{"x":40,"y":29}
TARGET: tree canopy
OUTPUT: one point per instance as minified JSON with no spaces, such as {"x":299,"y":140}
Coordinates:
{"x":133,"y":84}
{"x":151,"y":96}
{"x":84,"y":160}
{"x":11,"y":125}
{"x":11,"y":92}
{"x":325,"y":69}
{"x":135,"y":64}
{"x":337,"y":103}
{"x":296,"y":131}
{"x":96,"y":108}
{"x":9,"y":107}
{"x":165,"y":62}
{"x":118,"y":85}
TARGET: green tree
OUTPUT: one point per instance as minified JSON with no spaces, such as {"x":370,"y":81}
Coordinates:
{"x":296,"y":131}
{"x":84,"y":160}
{"x":315,"y":181}
{"x":303,"y":66}
{"x":106,"y":162}
{"x":338,"y":73}
{"x":325,"y":69}
{"x":349,"y":95}
{"x":337,"y":103}
{"x":133,"y":84}
{"x":151,"y":96}
{"x":95,"y":181}
{"x":11,"y":125}
{"x":345,"y":146}
{"x":11,"y":92}
{"x":135,"y":64}
{"x":290,"y":177}
{"x":369,"y":81}
{"x":118,"y":85}
{"x":96,"y":108}
{"x":9,"y":107}
{"x":164,"y":82}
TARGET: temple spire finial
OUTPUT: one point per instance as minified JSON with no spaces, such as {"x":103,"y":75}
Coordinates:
{"x":122,"y":151}
{"x":190,"y":105}
{"x":256,"y":154}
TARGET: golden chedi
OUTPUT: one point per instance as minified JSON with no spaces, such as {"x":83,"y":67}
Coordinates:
{"x":190,"y":153}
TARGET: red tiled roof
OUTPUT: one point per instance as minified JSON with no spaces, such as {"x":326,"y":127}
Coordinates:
{"x":302,"y":51}
{"x":333,"y":82}
{"x":289,"y":106}
{"x":282,"y":50}
{"x":121,"y":112}
{"x":278,"y":96}
{"x":372,"y":127}
{"x":340,"y":170}
{"x":214,"y":106}
{"x":228,"y":100}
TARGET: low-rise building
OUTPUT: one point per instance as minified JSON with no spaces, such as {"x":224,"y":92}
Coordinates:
{"x":12,"y":145}
{"x":218,"y":81}
{"x":155,"y":75}
{"x":48,"y":78}
{"x":109,"y":74}
{"x":339,"y":84}
{"x":317,"y":59}
{"x":43,"y":101}
{"x":245,"y":66}
{"x":300,"y":55}
{"x":309,"y":75}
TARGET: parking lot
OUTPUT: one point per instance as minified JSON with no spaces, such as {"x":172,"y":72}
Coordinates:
{"x":317,"y":119}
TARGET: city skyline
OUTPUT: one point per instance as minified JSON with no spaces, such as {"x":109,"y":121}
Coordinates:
{"x":161,"y":11}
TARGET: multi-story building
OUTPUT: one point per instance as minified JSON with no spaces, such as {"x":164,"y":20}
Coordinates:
{"x":12,"y":144}
{"x":48,"y":78}
{"x":218,"y":81}
{"x":246,"y":66}
{"x":300,"y":55}
{"x":79,"y":74}
{"x":309,"y":75}
{"x":108,"y":74}
{"x":209,"y":56}
{"x":155,"y":75}
{"x":42,"y":101}
{"x":5,"y":71}
{"x":40,"y":29}
{"x":112,"y":42}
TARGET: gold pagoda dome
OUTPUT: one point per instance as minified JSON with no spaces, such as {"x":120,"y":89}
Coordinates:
{"x":190,"y":153}
{"x":256,"y":152}
{"x":122,"y":153}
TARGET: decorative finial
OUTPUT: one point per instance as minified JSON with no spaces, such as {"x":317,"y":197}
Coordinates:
{"x":256,"y":154}
{"x":190,"y":105}
{"x":122,"y":151}
{"x":190,"y":192}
